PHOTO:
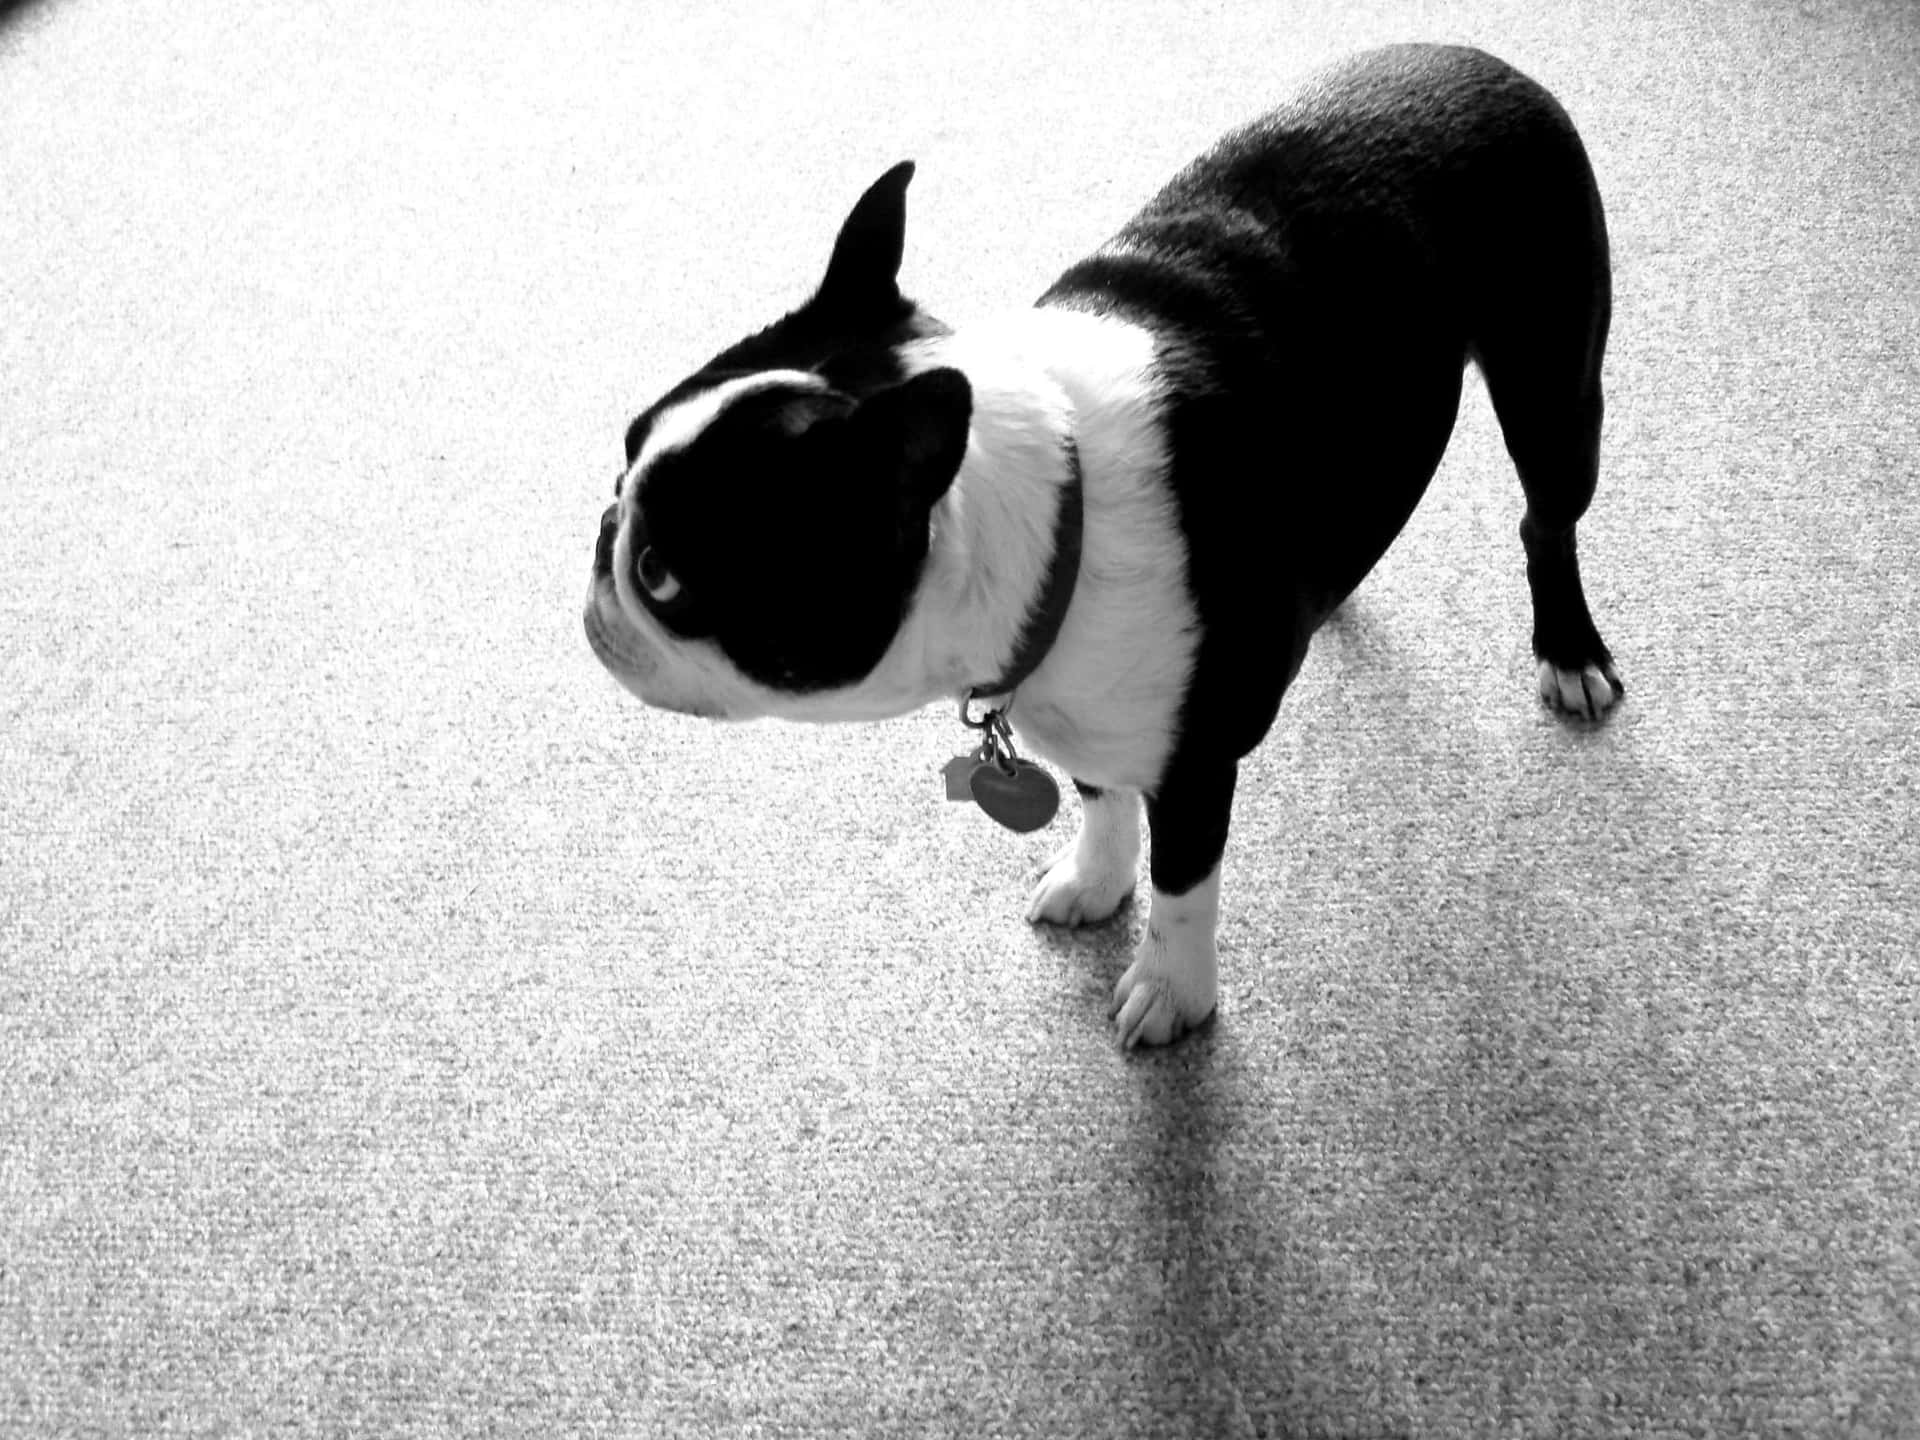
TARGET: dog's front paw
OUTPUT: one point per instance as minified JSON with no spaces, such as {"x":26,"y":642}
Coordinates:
{"x":1076,"y":892}
{"x":1170,"y":987}
{"x":1589,"y":692}
{"x":1087,"y":881}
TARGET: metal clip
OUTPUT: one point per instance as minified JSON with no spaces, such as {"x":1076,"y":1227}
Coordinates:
{"x":996,"y":735}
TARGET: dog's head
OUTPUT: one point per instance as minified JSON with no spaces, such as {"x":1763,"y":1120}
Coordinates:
{"x":771,"y":524}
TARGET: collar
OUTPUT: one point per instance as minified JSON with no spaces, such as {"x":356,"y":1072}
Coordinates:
{"x":1049,"y":608}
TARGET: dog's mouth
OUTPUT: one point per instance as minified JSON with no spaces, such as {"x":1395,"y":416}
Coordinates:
{"x":614,"y":646}
{"x":610,"y":652}
{"x":635,"y":666}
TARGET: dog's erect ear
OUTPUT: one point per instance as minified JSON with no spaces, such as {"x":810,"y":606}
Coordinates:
{"x":917,"y":430}
{"x":865,"y":266}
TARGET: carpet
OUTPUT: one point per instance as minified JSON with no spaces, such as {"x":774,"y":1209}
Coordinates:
{"x":402,"y":1032}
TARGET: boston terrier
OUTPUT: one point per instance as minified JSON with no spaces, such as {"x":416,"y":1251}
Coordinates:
{"x":1111,"y":523}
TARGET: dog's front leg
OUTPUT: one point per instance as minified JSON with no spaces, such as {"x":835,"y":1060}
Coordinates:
{"x":1087,"y":881}
{"x":1174,"y":978}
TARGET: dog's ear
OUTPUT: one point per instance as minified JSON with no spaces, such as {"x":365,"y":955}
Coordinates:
{"x":915,"y":433}
{"x":865,"y":268}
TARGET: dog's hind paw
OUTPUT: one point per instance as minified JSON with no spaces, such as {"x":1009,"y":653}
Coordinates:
{"x":1589,"y":692}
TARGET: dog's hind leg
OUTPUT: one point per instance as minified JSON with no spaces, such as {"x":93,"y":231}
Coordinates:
{"x":1548,"y":399}
{"x":1088,"y":881}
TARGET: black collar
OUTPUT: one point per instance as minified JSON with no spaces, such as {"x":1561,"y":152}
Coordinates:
{"x":1049,"y":608}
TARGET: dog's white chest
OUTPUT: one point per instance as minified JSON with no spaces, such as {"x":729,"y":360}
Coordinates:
{"x":1105,"y":703}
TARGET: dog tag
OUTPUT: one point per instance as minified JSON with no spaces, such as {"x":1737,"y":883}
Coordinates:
{"x":1020,"y":796}
{"x":958,"y":772}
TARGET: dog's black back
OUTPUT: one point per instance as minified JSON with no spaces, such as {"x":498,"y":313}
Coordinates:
{"x":1319,"y":279}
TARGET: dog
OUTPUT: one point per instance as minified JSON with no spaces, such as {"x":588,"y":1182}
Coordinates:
{"x":1116,"y":519}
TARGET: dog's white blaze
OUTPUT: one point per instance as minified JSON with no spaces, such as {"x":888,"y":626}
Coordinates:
{"x":691,"y":676}
{"x":675,"y":429}
{"x":678,"y":426}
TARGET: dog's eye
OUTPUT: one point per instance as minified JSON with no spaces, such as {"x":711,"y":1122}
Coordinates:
{"x":655,"y":578}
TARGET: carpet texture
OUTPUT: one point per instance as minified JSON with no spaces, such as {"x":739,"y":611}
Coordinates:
{"x":403,"y":1033}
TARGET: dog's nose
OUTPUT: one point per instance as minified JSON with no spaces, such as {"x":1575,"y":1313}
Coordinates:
{"x":603,"y":552}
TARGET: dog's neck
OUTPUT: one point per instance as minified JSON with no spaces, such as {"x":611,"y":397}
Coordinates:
{"x":994,"y":555}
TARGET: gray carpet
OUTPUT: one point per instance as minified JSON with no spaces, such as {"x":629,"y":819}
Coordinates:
{"x":404,"y":1033}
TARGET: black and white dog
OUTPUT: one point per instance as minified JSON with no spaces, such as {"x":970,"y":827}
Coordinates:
{"x":1119,"y":516}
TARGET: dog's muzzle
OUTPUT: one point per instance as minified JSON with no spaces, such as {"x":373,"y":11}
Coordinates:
{"x":603,"y":552}
{"x":603,"y":596}
{"x":626,"y":652}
